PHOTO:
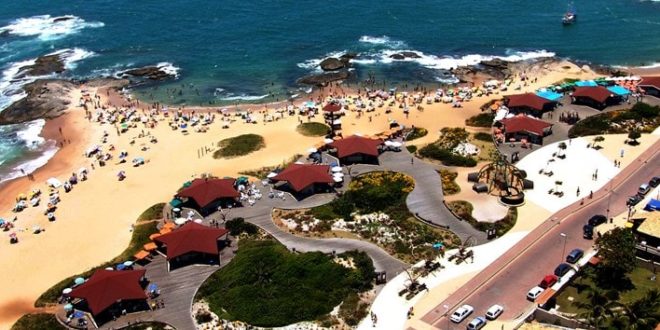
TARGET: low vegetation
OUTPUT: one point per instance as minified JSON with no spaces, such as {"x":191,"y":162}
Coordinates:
{"x":482,"y":136}
{"x":266,"y":285}
{"x":149,"y":326}
{"x":412,"y":149}
{"x":261,"y":173}
{"x":238,"y":226}
{"x":313,"y":129}
{"x":449,"y":185}
{"x":463,"y":210}
{"x":141,"y":232}
{"x":239,"y":146}
{"x":443,"y":149}
{"x":484,"y":119}
{"x":416,"y":133}
{"x":642,"y":118}
{"x":41,"y":321}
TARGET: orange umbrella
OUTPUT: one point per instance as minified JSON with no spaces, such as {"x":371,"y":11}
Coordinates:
{"x":141,"y":255}
{"x":169,"y":225}
{"x":165,"y":231}
{"x":150,"y":246}
{"x":154,"y":235}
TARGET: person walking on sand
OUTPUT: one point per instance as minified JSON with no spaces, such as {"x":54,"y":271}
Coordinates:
{"x":412,"y":160}
{"x":578,"y":191}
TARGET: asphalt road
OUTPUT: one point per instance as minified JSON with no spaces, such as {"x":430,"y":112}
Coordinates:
{"x":507,"y":280}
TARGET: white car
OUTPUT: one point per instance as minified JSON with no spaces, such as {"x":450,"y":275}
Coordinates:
{"x":494,"y":312}
{"x":461,"y":313}
{"x":534,"y":293}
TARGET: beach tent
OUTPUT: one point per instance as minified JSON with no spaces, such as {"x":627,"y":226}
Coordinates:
{"x":549,"y":95}
{"x":652,"y":205}
{"x":586,"y":83}
{"x":53,"y":182}
{"x":618,"y":90}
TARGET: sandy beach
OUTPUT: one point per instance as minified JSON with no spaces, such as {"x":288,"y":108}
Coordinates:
{"x":93,"y":221}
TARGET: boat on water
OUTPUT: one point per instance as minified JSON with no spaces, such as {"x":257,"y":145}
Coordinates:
{"x":570,"y":16}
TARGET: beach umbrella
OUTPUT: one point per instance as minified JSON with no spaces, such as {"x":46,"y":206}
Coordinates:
{"x":68,"y":307}
{"x":311,"y":150}
{"x":128,"y":263}
{"x":299,"y":163}
{"x":12,"y":235}
{"x":328,"y":141}
{"x":109,"y":268}
{"x":78,"y":314}
{"x":337,"y":179}
{"x":198,"y":221}
{"x":336,"y":169}
{"x":152,"y":287}
{"x":180,"y":221}
{"x":271,"y":175}
{"x":120,"y":267}
{"x":388,"y":143}
{"x":396,"y":144}
{"x":67,"y":291}
{"x":79,"y":280}
{"x":338,"y":175}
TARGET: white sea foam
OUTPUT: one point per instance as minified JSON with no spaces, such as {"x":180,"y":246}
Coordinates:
{"x":450,"y":62}
{"x":652,"y":65}
{"x":71,"y":56}
{"x":40,"y":150}
{"x":169,"y":68}
{"x":242,"y":97}
{"x":31,"y":134}
{"x":32,"y":164}
{"x":11,"y":86}
{"x":382,"y":40}
{"x":314,"y":64}
{"x":46,"y":27}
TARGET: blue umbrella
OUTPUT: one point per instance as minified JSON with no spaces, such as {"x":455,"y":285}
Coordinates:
{"x":68,"y":307}
{"x":438,"y":245}
{"x":120,"y":267}
{"x":128,"y":263}
{"x":79,"y":281}
{"x":78,"y":314}
{"x":152,"y":287}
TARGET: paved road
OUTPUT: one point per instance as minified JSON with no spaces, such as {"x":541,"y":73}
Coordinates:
{"x":507,"y":280}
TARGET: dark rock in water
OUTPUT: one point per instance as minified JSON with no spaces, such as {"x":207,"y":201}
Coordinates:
{"x":348,"y":56}
{"x":404,"y":55}
{"x":332,"y":64}
{"x":148,"y":72}
{"x":4,"y":33}
{"x":324,"y":78}
{"x":62,"y":19}
{"x":496,"y":68}
{"x":44,"y":65}
{"x":47,"y":99}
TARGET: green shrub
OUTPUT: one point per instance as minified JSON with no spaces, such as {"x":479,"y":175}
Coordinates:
{"x":41,"y":321}
{"x":237,"y":226}
{"x":152,"y":213}
{"x":352,"y":310}
{"x":484,"y":119}
{"x":266,"y":285}
{"x":239,"y":146}
{"x":446,"y":156}
{"x":646,"y":110}
{"x":416,"y":133}
{"x":481,"y":136}
{"x":313,"y":129}
{"x":593,"y":125}
{"x":449,"y":185}
{"x":412,"y":149}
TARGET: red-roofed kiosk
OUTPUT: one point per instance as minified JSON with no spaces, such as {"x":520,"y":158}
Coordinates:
{"x":205,"y":195}
{"x":306,"y":179}
{"x":525,"y":127}
{"x":357,"y":149}
{"x":651,"y":85}
{"x":192,"y":243}
{"x":597,"y":97}
{"x":529,"y":103}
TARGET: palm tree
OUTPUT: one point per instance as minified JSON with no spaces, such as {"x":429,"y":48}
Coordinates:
{"x":641,"y":314}
{"x":562,"y":147}
{"x":598,"y":306}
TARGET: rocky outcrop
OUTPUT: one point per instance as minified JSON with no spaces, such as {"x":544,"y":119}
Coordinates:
{"x":404,"y":55}
{"x":45,"y":99}
{"x":62,"y":19}
{"x":148,"y":72}
{"x":324,"y":78}
{"x":44,"y":65}
{"x":332,"y":64}
{"x":496,"y":68}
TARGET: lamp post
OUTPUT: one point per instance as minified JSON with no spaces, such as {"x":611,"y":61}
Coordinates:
{"x":563,"y":251}
{"x":446,"y":314}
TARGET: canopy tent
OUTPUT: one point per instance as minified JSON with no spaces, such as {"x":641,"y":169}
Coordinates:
{"x":652,"y":205}
{"x":586,"y":83}
{"x":549,"y":95}
{"x":618,"y":90}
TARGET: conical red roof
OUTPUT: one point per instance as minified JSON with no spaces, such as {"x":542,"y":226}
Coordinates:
{"x":300,"y":176}
{"x":106,"y":287}
{"x":355,"y":144}
{"x":191,"y":237}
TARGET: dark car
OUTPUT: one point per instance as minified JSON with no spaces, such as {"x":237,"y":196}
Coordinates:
{"x":597,"y":220}
{"x":633,"y":200}
{"x":588,"y":231}
{"x":562,"y":269}
{"x":574,"y":256}
{"x":655,"y":181}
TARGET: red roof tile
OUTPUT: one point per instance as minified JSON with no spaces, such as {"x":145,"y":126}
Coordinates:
{"x":356,"y":145}
{"x":528,"y":100}
{"x":299,"y":176}
{"x":205,"y":191}
{"x":524,"y":124}
{"x":332,"y":107}
{"x":106,"y":287}
{"x":596,"y":93}
{"x":191,"y":237}
{"x":650,"y":81}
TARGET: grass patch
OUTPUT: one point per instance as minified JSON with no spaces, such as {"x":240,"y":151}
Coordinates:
{"x":416,"y":133}
{"x":313,"y":129}
{"x":239,"y":146}
{"x":41,"y":321}
{"x":449,"y":185}
{"x":484,"y":119}
{"x":412,"y":149}
{"x":140,"y":236}
{"x":446,"y":156}
{"x":261,"y":173}
{"x":482,"y":136}
{"x":463,"y":210}
{"x":266,"y":285}
{"x":152,"y":213}
{"x":641,"y":117}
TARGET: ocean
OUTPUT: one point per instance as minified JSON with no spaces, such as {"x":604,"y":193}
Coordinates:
{"x":231,"y":51}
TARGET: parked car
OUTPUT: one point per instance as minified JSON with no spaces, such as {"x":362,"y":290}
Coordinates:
{"x":461,"y":313}
{"x":588,"y":231}
{"x":633,"y":200}
{"x":655,"y":181}
{"x":548,"y":281}
{"x":574,"y":256}
{"x":597,"y":219}
{"x":534,"y":293}
{"x":477,"y":323}
{"x":562,"y":269}
{"x":494,"y":312}
{"x":643,"y":189}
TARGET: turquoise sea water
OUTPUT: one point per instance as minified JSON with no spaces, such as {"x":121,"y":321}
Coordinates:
{"x":228,"y":51}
